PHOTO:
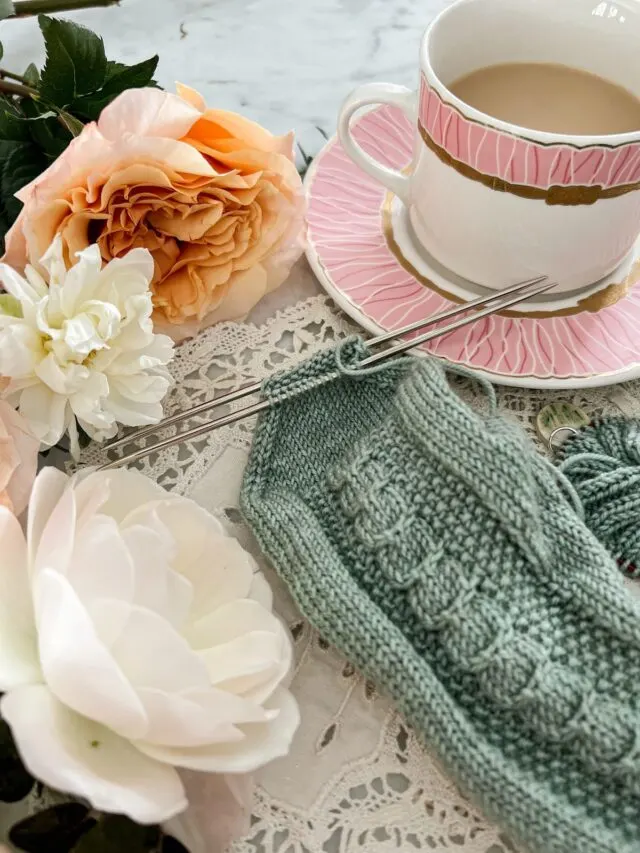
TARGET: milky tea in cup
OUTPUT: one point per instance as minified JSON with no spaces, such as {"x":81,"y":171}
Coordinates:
{"x":551,"y":97}
{"x":527,"y":145}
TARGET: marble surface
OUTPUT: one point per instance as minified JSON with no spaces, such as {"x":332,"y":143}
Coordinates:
{"x":285,"y":64}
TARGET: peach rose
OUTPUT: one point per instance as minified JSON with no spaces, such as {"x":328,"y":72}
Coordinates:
{"x":214,"y":197}
{"x":18,"y":460}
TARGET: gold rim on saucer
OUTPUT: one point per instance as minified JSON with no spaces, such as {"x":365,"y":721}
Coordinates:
{"x":595,"y":302}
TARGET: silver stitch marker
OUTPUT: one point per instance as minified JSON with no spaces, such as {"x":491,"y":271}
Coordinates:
{"x":557,"y":421}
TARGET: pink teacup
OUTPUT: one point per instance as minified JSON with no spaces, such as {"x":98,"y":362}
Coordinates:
{"x":495,"y":202}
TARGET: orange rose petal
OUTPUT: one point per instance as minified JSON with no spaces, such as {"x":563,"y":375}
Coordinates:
{"x":228,"y":124}
{"x":40,"y":228}
{"x":164,"y":258}
{"x":15,"y":244}
{"x":129,"y":177}
{"x":69,"y":170}
{"x":192,"y":227}
{"x":195,"y":255}
{"x":147,"y":113}
{"x":182,"y":294}
{"x":245,"y":290}
{"x":75,"y":230}
{"x":218,"y":204}
{"x":191,"y":96}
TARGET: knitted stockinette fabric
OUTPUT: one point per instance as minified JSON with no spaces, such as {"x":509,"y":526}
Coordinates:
{"x":448,"y":561}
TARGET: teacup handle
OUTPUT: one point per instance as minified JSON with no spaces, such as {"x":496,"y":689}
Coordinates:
{"x":376,"y":93}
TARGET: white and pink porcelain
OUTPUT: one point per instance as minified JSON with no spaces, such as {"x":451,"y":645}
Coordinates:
{"x":497,"y":203}
{"x":364,"y":252}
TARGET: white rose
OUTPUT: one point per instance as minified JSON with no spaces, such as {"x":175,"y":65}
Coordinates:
{"x":80,"y":347}
{"x":136,"y":637}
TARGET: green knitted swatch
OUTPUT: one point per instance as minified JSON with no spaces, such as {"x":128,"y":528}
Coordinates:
{"x":448,"y":561}
{"x":603,"y":463}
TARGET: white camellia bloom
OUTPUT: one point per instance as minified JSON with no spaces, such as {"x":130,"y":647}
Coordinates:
{"x":136,"y":638}
{"x":81,"y":346}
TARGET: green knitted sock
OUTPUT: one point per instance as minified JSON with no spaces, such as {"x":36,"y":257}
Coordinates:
{"x":443,"y":557}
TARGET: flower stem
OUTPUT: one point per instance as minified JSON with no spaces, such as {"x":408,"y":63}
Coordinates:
{"x":11,"y":76}
{"x":17,"y":89}
{"x":37,"y":7}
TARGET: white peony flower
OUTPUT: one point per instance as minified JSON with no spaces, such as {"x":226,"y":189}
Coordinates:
{"x":136,"y":638}
{"x":81,"y":347}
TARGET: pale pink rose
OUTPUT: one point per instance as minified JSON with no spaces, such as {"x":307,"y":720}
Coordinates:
{"x":18,"y":459}
{"x":214,"y":197}
{"x":219,"y":811}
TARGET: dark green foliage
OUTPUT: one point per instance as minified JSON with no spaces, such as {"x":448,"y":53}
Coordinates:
{"x":54,"y":830}
{"x":15,"y":781}
{"x":115,"y":833}
{"x":38,"y":119}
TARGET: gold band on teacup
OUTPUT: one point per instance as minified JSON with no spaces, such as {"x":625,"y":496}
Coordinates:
{"x":565,"y":195}
{"x":592,"y":304}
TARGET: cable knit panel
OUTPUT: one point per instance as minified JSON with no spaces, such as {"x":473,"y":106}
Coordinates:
{"x":452,"y":564}
{"x":389,"y":507}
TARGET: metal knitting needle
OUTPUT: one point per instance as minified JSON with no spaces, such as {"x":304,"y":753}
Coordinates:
{"x":208,"y":405}
{"x":400,"y":348}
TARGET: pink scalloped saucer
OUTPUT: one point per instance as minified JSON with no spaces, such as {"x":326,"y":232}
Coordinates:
{"x":360,"y":248}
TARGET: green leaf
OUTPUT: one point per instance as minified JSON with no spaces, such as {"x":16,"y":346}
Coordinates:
{"x":6,"y":10}
{"x":13,"y":127}
{"x":76,"y":62}
{"x":72,"y":124}
{"x":114,"y":68}
{"x":35,"y":124}
{"x":118,"y":834}
{"x":54,"y":830}
{"x":49,"y":134}
{"x":11,"y":307}
{"x":15,"y":782}
{"x":122,"y":77}
{"x":58,"y":80}
{"x":38,"y":125}
{"x":24,"y":163}
{"x":32,"y":75}
{"x":119,"y":78}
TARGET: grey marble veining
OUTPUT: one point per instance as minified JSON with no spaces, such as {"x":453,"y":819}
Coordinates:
{"x":285,"y":63}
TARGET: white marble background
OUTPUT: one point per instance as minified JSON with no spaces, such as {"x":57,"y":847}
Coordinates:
{"x":285,"y":63}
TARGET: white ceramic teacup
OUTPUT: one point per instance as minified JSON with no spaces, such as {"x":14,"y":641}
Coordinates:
{"x":495,"y":202}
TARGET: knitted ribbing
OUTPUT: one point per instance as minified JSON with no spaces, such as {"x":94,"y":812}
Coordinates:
{"x":443,"y":557}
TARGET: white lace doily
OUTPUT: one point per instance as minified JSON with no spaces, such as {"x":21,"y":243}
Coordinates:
{"x":357,"y":780}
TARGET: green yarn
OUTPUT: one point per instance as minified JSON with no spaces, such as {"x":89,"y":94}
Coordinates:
{"x":445,"y":559}
{"x":603,"y":463}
